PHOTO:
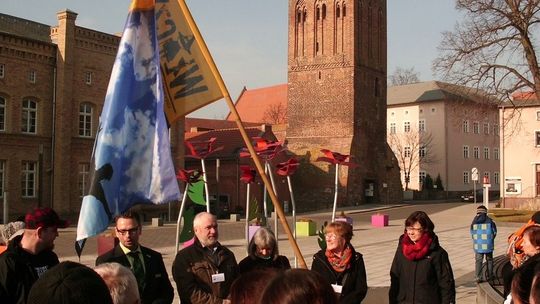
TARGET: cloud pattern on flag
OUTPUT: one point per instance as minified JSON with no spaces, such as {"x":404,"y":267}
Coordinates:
{"x":132,"y":154}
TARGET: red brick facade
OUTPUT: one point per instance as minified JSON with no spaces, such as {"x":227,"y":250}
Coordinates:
{"x":337,"y":100}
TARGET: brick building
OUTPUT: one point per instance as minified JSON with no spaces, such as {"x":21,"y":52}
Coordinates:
{"x":337,"y":99}
{"x":53,"y":82}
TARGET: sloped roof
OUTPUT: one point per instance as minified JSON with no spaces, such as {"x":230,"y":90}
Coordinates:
{"x":434,"y":91}
{"x":524,"y":99}
{"x":230,"y":139}
{"x":204,"y":124}
{"x":25,"y":28}
{"x":251,"y":104}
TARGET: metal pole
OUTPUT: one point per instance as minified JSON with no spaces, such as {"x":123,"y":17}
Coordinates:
{"x":293,"y":206}
{"x":180,"y":218}
{"x":335,"y":193}
{"x":205,"y":186}
{"x":40,"y":176}
{"x":6,"y":215}
{"x":218,"y":200}
{"x":264,"y":198}
{"x":247,"y":218}
{"x":273,"y":188}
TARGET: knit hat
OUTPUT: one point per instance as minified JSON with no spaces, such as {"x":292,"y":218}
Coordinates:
{"x":481,"y":209}
{"x":69,"y":282}
{"x":44,"y":217}
{"x":11,"y":230}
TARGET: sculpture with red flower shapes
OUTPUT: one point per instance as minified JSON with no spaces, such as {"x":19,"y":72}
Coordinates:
{"x":248,"y":177}
{"x":337,"y":159}
{"x":266,"y":150}
{"x":189,"y":177}
{"x":201,"y":150}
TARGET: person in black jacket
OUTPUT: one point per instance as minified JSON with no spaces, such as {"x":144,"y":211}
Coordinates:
{"x":152,"y":279}
{"x":341,"y":265}
{"x":263,"y":253}
{"x":421,"y":271}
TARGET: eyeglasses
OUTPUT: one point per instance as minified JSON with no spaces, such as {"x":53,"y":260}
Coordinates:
{"x":330,"y":236}
{"x":410,"y":229}
{"x":128,"y":231}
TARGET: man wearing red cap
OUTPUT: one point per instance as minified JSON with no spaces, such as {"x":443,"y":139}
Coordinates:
{"x":29,"y":255}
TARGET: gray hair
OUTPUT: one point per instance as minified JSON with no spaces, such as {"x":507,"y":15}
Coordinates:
{"x":121,"y":283}
{"x":265,"y":238}
{"x":198,"y":218}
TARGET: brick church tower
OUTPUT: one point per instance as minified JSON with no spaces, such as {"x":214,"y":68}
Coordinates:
{"x":337,"y":100}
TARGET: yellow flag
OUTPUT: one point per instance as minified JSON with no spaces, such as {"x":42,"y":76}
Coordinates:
{"x":189,"y":73}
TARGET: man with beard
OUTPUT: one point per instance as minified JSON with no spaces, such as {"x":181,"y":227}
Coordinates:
{"x":29,"y":255}
{"x":204,"y":271}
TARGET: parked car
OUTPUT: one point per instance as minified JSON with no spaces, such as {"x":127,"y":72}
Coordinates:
{"x":469,"y":196}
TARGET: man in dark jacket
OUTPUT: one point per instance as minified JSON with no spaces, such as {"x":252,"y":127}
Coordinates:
{"x":147,"y":265}
{"x":483,"y":232}
{"x":205,"y":270}
{"x":29,"y":256}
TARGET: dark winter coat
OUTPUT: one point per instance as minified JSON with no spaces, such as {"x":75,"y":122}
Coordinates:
{"x":250,"y":263}
{"x":19,"y":270}
{"x":426,"y":281}
{"x":353,"y":280}
{"x":193,"y":268}
{"x":157,"y":288}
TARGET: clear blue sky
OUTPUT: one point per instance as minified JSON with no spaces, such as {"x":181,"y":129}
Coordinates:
{"x":248,"y":38}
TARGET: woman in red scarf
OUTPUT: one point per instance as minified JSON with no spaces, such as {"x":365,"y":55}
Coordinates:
{"x":340,"y":265}
{"x":421,"y":271}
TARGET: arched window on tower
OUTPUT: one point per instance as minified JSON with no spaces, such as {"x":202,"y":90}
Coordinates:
{"x":344,"y":10}
{"x":304,"y":19}
{"x":337,"y":11}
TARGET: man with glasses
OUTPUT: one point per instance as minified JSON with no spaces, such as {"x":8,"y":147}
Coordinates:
{"x":147,"y":265}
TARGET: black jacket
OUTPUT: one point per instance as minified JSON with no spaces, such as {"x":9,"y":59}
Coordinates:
{"x":158,"y":288}
{"x":19,"y":270}
{"x":250,"y":263}
{"x":429,"y":280}
{"x":193,"y":268}
{"x":353,"y":280}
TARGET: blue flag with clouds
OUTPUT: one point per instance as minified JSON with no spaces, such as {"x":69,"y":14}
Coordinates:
{"x":132,"y":157}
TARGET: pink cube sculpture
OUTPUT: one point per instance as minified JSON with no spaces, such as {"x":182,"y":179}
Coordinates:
{"x":379,"y":220}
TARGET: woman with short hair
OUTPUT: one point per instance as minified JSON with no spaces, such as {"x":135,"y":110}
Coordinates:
{"x":340,"y":265}
{"x":263,"y":253}
{"x":421,"y":271}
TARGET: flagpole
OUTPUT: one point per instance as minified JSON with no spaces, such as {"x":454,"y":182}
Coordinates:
{"x":180,"y":218}
{"x":247,"y":140}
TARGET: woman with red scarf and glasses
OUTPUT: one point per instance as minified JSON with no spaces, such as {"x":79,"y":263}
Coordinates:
{"x":340,"y":265}
{"x":421,"y":271}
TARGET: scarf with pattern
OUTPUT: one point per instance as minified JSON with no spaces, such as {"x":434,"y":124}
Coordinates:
{"x":340,"y":263}
{"x":416,"y":251}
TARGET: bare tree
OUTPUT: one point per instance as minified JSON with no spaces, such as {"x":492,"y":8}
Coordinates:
{"x":275,"y":114}
{"x":493,"y":48}
{"x":403,"y":76}
{"x":412,"y":149}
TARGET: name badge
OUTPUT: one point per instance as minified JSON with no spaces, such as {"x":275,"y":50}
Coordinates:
{"x":218,"y":277}
{"x":337,"y":288}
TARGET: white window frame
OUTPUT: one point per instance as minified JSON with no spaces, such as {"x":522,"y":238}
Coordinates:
{"x":406,"y":126}
{"x":29,"y":116}
{"x":537,"y":138}
{"x":486,"y":174}
{"x":86,"y":112}
{"x":422,"y":177}
{"x":422,"y":125}
{"x":29,"y":179}
{"x":422,"y":152}
{"x":486,"y":152}
{"x":496,"y":129}
{"x":496,"y":155}
{"x":32,"y":76}
{"x":88,"y":77}
{"x":476,"y":127}
{"x":466,"y":179}
{"x":407,"y":152}
{"x":84,"y":178}
{"x":496,"y":178}
{"x":466,"y":151}
{"x":537,"y":115}
{"x":486,"y":128}
{"x":465,"y":126}
{"x":2,"y":70}
{"x":476,"y":152}
{"x":3,"y":113}
{"x":392,"y":128}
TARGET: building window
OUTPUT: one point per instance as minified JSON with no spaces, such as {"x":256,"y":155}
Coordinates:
{"x":421,"y":111}
{"x":432,"y":110}
{"x":496,"y":178}
{"x":85,"y":120}
{"x":476,"y":127}
{"x":406,"y":112}
{"x":29,"y":173}
{"x":407,"y":152}
{"x":2,"y":70}
{"x":422,"y":125}
{"x":88,"y":78}
{"x":29,"y":116}
{"x":486,"y":152}
{"x":32,"y":76}
{"x":466,"y":180}
{"x":465,"y":151}
{"x":84,"y":171}
{"x":2,"y":177}
{"x":465,"y":126}
{"x":407,"y":126}
{"x":486,"y":176}
{"x":496,"y":130}
{"x":392,"y":113}
{"x":2,"y":114}
{"x":392,"y":128}
{"x":422,"y":177}
{"x":476,"y":152}
{"x":537,"y":115}
{"x":486,"y":128}
{"x":496,"y":153}
{"x":537,"y":136}
{"x":422,"y":152}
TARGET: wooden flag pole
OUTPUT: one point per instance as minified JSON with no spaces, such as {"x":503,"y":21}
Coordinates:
{"x":247,"y":140}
